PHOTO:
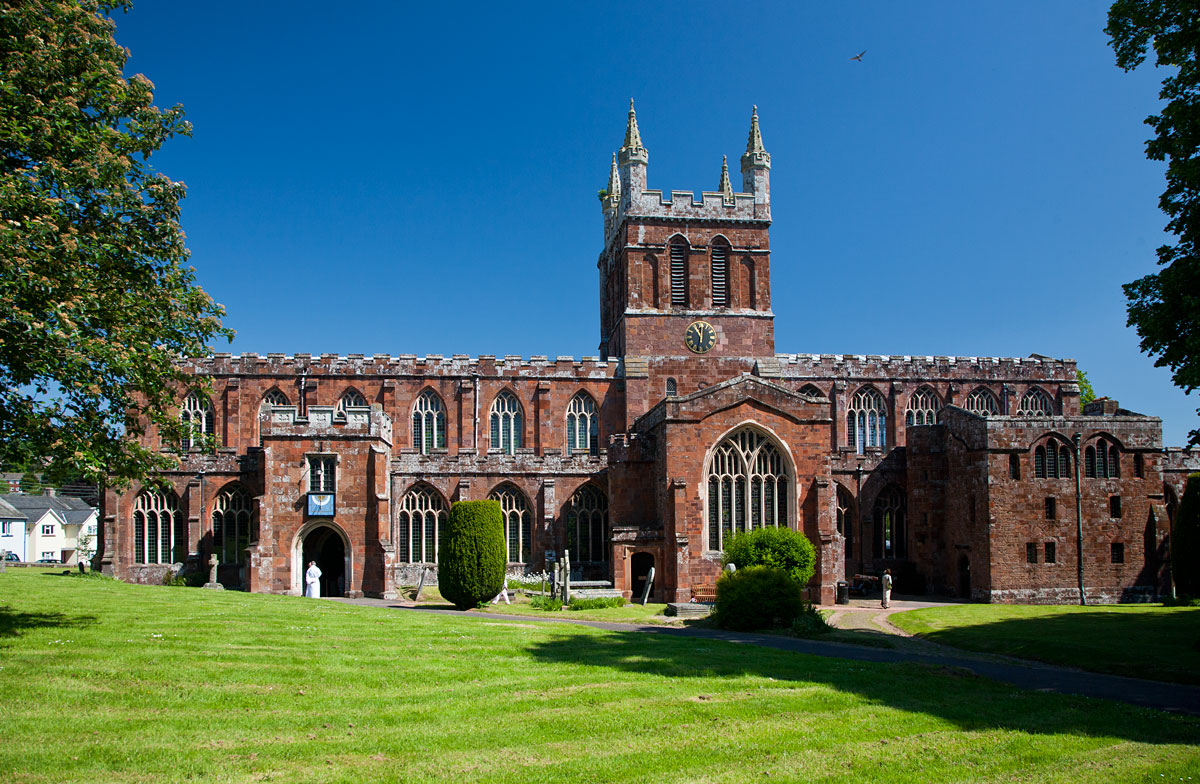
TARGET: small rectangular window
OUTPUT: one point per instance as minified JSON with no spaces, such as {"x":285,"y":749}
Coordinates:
{"x":1051,"y":506}
{"x":1051,"y":552}
{"x":322,"y":474}
{"x":1114,"y":506}
{"x":48,"y":555}
{"x":1014,"y":467}
{"x":5,"y":528}
{"x":1118,"y":552}
{"x":1139,"y":465}
{"x":47,"y":530}
{"x":1031,"y":552}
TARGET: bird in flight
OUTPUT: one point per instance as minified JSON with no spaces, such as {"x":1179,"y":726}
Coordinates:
{"x":859,"y":55}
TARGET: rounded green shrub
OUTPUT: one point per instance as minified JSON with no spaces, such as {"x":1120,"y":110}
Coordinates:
{"x":757,"y":597}
{"x":780,"y":547}
{"x":471,"y":558}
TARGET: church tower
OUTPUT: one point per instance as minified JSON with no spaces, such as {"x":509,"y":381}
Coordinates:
{"x":682,"y":276}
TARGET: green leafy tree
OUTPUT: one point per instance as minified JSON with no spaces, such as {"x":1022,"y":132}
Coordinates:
{"x":780,"y":547}
{"x":471,"y":558}
{"x":1086,"y":393}
{"x":1164,"y":307}
{"x":98,"y":305}
{"x":1185,"y":541}
{"x":757,"y":597}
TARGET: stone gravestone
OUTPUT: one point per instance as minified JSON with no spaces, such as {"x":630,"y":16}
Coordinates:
{"x":3,"y":560}
{"x":212,"y":583}
{"x":649,"y":584}
{"x":420,"y":586}
{"x":566,"y":577}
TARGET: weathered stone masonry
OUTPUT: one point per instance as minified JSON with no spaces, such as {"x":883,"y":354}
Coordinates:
{"x":933,"y":466}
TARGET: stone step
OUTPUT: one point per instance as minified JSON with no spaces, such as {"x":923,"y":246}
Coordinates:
{"x":594,"y":593}
{"x":688,"y":609}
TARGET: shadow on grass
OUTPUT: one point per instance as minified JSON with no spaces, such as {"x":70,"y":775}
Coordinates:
{"x":970,"y":702}
{"x":14,"y":622}
{"x":1162,"y":646}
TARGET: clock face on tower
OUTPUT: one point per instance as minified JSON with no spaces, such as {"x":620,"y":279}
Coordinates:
{"x":700,"y":337}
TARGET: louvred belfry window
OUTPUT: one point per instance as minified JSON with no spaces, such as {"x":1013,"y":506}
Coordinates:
{"x":720,"y":274}
{"x":679,"y":273}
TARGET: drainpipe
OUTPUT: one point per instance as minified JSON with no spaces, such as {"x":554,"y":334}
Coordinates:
{"x":475,"y":430}
{"x":1079,"y":518}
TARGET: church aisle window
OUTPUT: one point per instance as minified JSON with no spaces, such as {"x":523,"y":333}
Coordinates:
{"x":583,"y":425}
{"x":747,"y":486}
{"x":866,"y":420}
{"x":232,"y":524}
{"x":159,"y":535}
{"x":517,"y":522}
{"x":351,"y":398}
{"x":197,"y":414}
{"x":420,"y":518}
{"x":506,"y":423}
{"x":587,"y":526}
{"x":923,"y":408}
{"x":429,"y":423}
{"x":270,"y":400}
{"x":1035,"y":402}
{"x":982,"y":402}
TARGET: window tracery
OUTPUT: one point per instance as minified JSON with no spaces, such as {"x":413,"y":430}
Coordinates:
{"x":748,"y":486}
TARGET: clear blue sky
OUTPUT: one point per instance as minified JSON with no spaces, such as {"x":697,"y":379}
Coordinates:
{"x":421,"y":178}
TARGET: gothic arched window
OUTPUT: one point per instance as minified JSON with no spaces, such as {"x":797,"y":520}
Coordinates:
{"x":982,"y":401}
{"x":507,"y":423}
{"x":811,"y":390}
{"x":587,"y":525}
{"x":351,"y":398}
{"x":583,"y":424}
{"x":517,"y":521}
{"x":1035,"y":402}
{"x":270,"y":400}
{"x":922,"y":408}
{"x":1103,"y":461}
{"x":889,"y":523}
{"x":429,"y":422}
{"x":719,"y":252}
{"x":747,"y":486}
{"x":1052,"y":460}
{"x":159,"y":535}
{"x":679,"y":252}
{"x":421,"y":514}
{"x":232,"y":524}
{"x":196,"y":413}
{"x":866,"y":420}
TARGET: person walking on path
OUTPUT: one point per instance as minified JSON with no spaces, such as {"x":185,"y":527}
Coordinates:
{"x":887,"y":588}
{"x":312,"y":581}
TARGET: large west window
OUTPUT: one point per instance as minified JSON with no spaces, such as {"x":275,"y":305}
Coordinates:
{"x":506,"y":423}
{"x":159,"y":534}
{"x":429,"y":422}
{"x":747,"y":486}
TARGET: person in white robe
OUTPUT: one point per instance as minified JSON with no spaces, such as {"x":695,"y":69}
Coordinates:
{"x":312,"y":581}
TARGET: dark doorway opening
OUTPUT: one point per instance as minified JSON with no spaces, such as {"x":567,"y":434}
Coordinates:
{"x":639,"y":567}
{"x":324,"y":546}
{"x":964,"y":577}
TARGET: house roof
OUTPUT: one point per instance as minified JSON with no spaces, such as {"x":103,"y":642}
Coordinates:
{"x":9,"y":512}
{"x":72,"y":511}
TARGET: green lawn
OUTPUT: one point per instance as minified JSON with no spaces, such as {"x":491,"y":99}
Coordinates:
{"x":1138,"y":640}
{"x":106,"y":682}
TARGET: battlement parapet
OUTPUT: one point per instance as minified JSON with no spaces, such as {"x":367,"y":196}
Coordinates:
{"x":552,"y":461}
{"x":818,"y":366}
{"x":401,"y":365}
{"x":327,"y":422}
{"x":653,"y":203}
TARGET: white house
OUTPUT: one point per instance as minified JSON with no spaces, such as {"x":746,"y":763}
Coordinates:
{"x":55,"y":527}
{"x":12,"y":529}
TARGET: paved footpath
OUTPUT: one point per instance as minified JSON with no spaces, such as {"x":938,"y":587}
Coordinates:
{"x":1024,"y":674}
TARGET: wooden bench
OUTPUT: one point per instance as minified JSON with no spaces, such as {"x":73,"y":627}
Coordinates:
{"x":706,"y":594}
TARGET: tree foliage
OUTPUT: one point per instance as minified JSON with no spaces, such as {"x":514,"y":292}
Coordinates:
{"x":1165,"y":306}
{"x":757,"y":597}
{"x":1185,"y":541}
{"x":98,"y":305}
{"x":471,"y":558}
{"x":1086,"y":392}
{"x":775,"y":546}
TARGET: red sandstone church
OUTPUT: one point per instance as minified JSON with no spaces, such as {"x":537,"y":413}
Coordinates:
{"x":961,"y":474}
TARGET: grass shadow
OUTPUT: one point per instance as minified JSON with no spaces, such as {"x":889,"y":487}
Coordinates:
{"x":14,"y":622}
{"x":969,"y":701}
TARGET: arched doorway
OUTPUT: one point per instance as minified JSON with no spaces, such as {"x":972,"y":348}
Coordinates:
{"x":325,"y":546}
{"x":639,"y":569}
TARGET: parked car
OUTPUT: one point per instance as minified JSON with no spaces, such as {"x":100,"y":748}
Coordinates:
{"x":48,"y":560}
{"x":12,"y":557}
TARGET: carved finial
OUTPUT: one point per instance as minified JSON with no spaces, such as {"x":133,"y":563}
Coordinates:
{"x":754,"y":144}
{"x":726,"y":187}
{"x":633,"y":139}
{"x":614,"y":178}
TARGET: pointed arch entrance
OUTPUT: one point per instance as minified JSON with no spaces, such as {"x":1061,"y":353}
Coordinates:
{"x":325,"y":543}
